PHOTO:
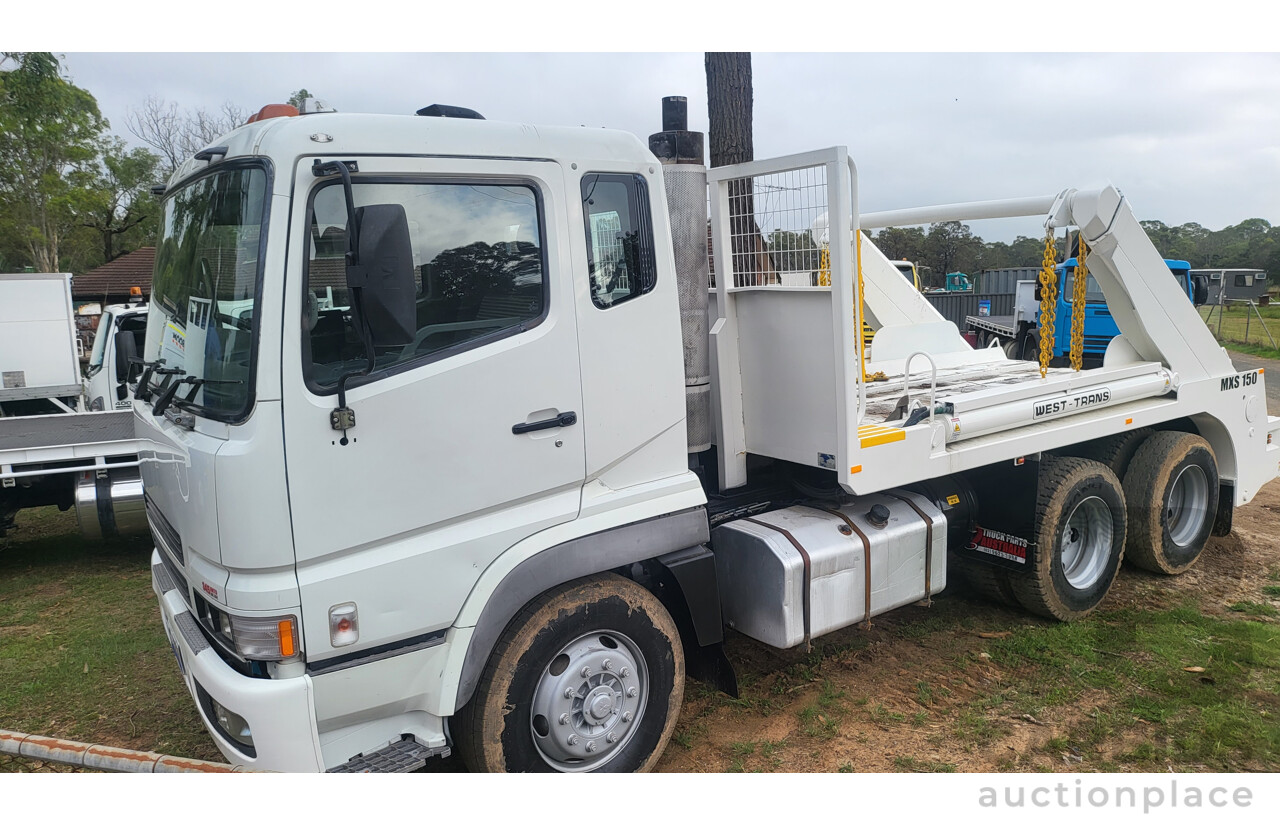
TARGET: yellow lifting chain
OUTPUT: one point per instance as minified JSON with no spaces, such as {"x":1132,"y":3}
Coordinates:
{"x":1078,"y":292}
{"x":861,"y":325}
{"x":824,"y":279}
{"x":1048,"y":301}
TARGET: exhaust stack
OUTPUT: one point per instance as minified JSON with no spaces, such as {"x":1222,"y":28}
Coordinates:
{"x":685,"y":177}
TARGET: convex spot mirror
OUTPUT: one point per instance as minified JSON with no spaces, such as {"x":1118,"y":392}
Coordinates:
{"x":384,"y":274}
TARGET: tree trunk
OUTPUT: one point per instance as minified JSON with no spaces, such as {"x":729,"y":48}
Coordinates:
{"x":729,"y":104}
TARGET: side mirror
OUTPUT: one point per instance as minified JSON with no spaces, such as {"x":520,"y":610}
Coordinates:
{"x":126,"y":351}
{"x":1201,"y":290}
{"x":383,"y":274}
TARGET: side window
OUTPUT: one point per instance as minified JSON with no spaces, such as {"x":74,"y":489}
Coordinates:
{"x":620,"y":250}
{"x":478,"y":261}
{"x":1244,"y":279}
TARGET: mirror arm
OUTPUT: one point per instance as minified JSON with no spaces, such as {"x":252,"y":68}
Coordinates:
{"x":343,"y":417}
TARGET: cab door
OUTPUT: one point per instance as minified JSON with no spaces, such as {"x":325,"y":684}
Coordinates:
{"x":468,"y":438}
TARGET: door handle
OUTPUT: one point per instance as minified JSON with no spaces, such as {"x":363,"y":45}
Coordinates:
{"x":564,"y":419}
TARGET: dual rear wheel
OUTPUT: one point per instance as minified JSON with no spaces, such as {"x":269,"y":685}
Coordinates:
{"x":1088,"y":520}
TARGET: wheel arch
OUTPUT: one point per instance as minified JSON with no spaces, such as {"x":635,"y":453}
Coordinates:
{"x":608,"y":550}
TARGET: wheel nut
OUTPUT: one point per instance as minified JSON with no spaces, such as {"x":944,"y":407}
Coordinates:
{"x":631,"y":691}
{"x":591,"y":747}
{"x":625,"y":672}
{"x":607,"y":665}
{"x":586,"y":671}
{"x":626,"y":717}
{"x":573,"y":739}
{"x":568,"y":693}
{"x":564,"y":718}
{"x":611,"y":738}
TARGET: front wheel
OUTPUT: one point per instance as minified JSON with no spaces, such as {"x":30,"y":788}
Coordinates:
{"x":588,"y":677}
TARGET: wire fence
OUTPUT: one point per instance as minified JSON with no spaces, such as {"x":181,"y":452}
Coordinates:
{"x":777,"y":229}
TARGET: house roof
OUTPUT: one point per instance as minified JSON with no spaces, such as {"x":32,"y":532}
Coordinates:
{"x":115,"y":278}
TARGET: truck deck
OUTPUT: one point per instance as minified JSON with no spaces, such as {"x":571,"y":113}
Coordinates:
{"x":36,"y":432}
{"x":1006,"y":325}
{"x":779,"y":346}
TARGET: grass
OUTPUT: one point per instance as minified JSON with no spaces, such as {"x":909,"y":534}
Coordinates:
{"x":1254,"y":609}
{"x":909,"y":764}
{"x":821,"y":719}
{"x":83,"y":654}
{"x":1243,"y":329}
{"x":1226,"y":717}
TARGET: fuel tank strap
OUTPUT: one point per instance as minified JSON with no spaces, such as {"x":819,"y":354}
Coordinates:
{"x":928,"y":545}
{"x":808,"y":574}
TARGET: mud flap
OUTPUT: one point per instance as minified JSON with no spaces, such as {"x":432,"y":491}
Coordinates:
{"x":1226,"y":509}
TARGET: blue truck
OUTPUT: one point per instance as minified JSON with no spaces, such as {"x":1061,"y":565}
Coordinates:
{"x":1019,"y":334}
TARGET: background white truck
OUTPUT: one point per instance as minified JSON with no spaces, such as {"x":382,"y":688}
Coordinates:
{"x":55,"y":448}
{"x":469,"y":457}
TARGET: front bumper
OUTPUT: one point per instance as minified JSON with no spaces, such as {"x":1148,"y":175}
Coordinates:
{"x":280,"y":712}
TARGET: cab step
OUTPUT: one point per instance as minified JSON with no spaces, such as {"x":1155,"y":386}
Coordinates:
{"x":405,"y":756}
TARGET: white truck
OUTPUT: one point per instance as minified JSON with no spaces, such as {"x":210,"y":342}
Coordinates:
{"x":448,"y":445}
{"x":57,"y":446}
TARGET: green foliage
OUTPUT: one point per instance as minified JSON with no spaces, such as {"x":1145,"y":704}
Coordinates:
{"x":951,"y":246}
{"x":119,"y":207}
{"x":298,"y":98}
{"x":50,"y":137}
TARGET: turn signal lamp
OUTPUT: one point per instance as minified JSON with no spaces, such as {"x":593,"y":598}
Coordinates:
{"x":344,"y":624}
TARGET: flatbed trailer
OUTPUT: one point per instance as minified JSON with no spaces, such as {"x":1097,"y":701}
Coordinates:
{"x":56,"y":449}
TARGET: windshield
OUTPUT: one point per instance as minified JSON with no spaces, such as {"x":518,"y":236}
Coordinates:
{"x":1092,"y":292}
{"x":204,"y":296}
{"x":100,"y":342}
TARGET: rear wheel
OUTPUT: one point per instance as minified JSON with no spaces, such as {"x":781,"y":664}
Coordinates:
{"x":1031,"y":347}
{"x":1171,"y":488}
{"x":1115,"y":451}
{"x":1080,"y":532}
{"x":588,"y":677}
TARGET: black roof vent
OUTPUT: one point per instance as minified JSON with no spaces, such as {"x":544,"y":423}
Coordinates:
{"x":441,"y":110}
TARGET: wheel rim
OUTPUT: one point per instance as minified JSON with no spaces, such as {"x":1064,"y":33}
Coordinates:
{"x":1187,"y":507}
{"x":589,"y":701}
{"x":1086,"y":543}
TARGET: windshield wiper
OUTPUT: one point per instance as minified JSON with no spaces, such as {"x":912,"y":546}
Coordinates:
{"x":144,"y":381}
{"x":167,"y":397}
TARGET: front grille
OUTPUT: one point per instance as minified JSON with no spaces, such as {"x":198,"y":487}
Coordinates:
{"x":163,"y":530}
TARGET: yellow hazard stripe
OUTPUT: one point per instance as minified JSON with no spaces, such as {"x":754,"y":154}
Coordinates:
{"x":873,"y":435}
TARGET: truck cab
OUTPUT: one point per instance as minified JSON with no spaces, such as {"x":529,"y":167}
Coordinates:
{"x":112,"y":363}
{"x":340,"y":476}
{"x":909,"y":271}
{"x":1099,"y":325}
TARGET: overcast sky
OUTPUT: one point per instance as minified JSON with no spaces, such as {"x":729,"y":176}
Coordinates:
{"x":1187,"y":137}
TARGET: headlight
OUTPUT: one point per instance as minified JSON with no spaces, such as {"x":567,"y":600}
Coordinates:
{"x":261,"y":638}
{"x":265,"y":638}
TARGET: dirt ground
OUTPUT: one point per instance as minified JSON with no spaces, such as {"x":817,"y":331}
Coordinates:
{"x":884,"y":725}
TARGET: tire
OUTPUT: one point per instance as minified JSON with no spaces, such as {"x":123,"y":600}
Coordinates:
{"x":520,"y":718}
{"x":1031,"y":347}
{"x":1171,"y":488}
{"x":1080,"y":535}
{"x":1115,"y":451}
